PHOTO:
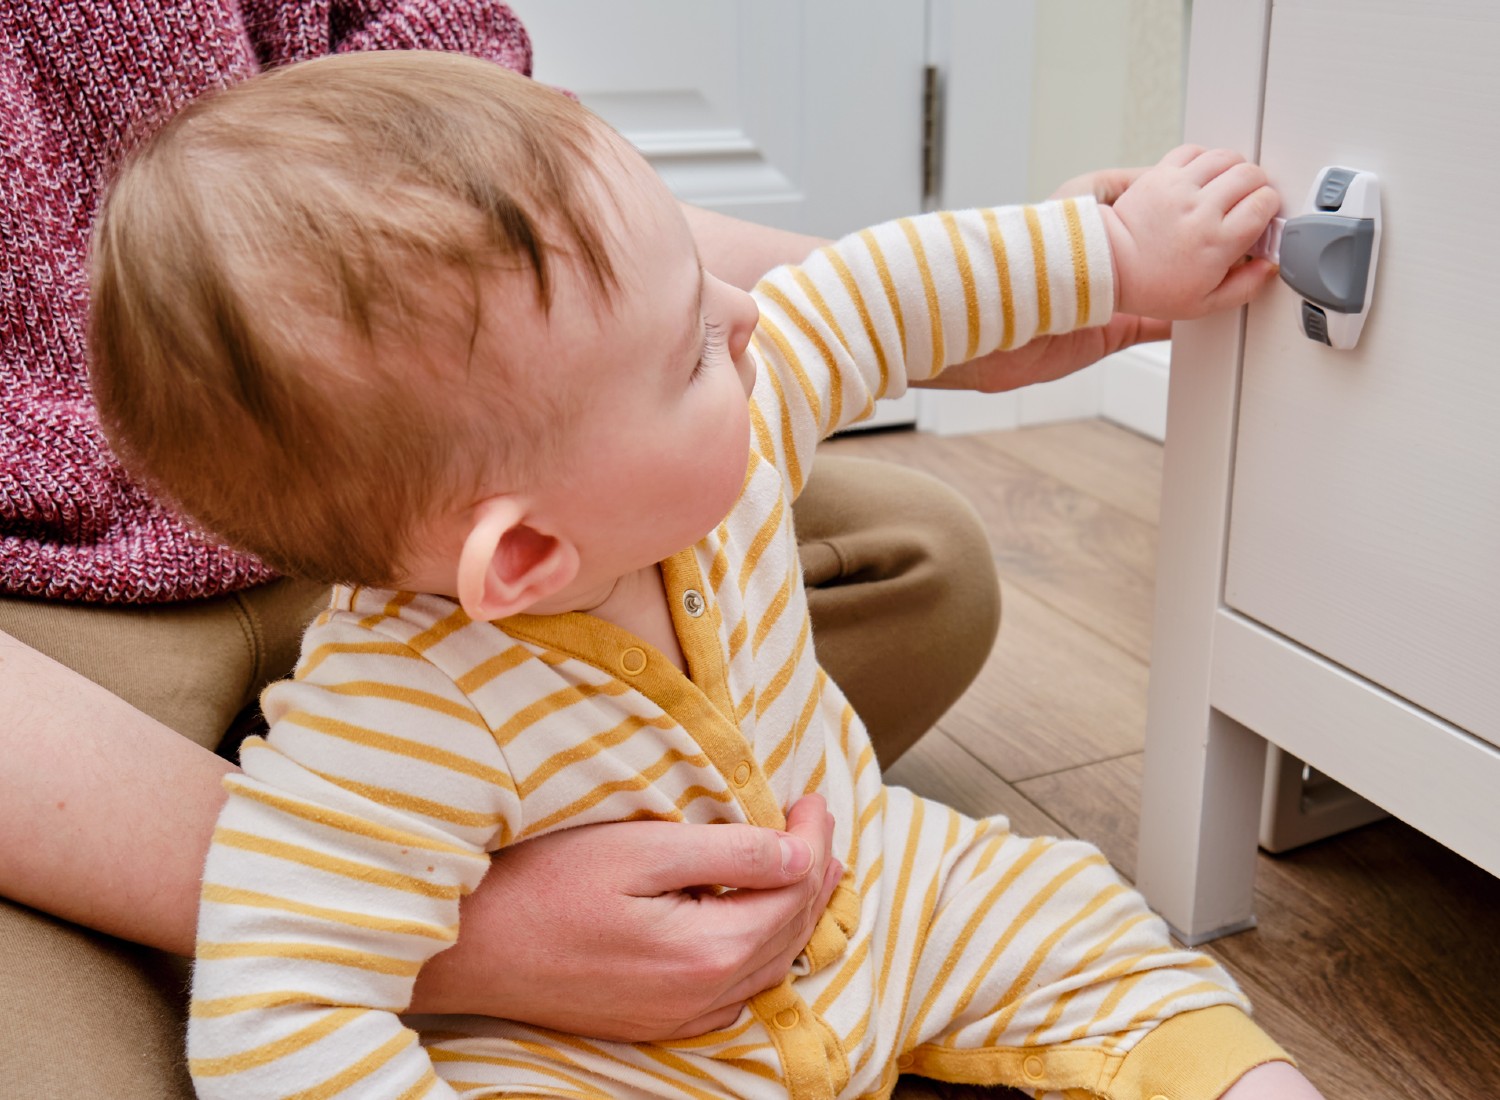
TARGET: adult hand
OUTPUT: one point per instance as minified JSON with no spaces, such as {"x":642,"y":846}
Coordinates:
{"x":605,"y":930}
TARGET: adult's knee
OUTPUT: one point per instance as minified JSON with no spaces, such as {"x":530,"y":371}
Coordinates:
{"x":902,"y":589}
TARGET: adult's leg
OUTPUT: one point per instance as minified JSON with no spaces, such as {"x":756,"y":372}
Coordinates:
{"x":81,"y":1013}
{"x":902,"y":589}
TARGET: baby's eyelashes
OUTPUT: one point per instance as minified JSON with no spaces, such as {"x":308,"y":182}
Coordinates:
{"x":713,"y":346}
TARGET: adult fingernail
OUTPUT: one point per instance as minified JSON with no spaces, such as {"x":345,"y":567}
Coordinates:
{"x":796,"y":855}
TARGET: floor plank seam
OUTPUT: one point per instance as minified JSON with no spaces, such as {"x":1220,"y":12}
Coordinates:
{"x":1022,"y":795}
{"x":1008,"y":579}
{"x":1072,"y":767}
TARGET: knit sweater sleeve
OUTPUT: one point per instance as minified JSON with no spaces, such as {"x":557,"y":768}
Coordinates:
{"x":862,"y":318}
{"x":336,"y":870}
{"x":284,"y":32}
{"x":78,"y":81}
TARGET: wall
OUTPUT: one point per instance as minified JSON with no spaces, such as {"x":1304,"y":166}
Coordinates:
{"x":1107,"y":90}
{"x":1107,"y":87}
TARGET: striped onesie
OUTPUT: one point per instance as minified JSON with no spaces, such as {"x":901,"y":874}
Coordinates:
{"x":413,"y":741}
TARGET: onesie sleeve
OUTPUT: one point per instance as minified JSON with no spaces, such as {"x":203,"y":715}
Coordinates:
{"x":336,"y":870}
{"x":862,"y":318}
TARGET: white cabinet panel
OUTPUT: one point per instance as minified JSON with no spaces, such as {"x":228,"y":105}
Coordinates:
{"x":1365,"y":518}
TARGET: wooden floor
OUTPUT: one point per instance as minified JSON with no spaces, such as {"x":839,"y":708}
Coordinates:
{"x":1377,"y":959}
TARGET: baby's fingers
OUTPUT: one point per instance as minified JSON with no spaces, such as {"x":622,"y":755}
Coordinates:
{"x":1226,"y":190}
{"x":1181,"y":156}
{"x":1246,"y":220}
{"x":1211,"y":165}
{"x":1240,"y":286}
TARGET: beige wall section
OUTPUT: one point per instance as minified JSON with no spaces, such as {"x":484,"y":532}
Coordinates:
{"x":1108,"y":86}
{"x":1158,"y":56}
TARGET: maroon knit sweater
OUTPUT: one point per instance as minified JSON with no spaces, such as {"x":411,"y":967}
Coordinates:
{"x":77,"y":76}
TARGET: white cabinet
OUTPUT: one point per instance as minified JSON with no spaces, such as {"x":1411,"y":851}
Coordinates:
{"x":1329,"y":573}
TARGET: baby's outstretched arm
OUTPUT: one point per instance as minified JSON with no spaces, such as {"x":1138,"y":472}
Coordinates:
{"x":1178,"y":234}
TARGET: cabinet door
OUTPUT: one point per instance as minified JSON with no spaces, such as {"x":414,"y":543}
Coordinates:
{"x":1365,"y":521}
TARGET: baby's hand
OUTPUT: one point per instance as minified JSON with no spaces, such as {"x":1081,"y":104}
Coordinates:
{"x":1179,"y":231}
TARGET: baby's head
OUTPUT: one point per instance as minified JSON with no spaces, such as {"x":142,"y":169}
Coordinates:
{"x":408,"y":318}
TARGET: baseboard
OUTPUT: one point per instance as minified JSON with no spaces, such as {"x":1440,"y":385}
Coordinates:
{"x":1134,"y":390}
{"x":1129,"y":388}
{"x":955,"y":412}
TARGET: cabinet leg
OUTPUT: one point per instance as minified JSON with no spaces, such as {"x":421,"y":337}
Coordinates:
{"x":1200,"y":817}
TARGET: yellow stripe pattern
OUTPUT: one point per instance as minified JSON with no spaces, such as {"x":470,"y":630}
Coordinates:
{"x":413,"y":742}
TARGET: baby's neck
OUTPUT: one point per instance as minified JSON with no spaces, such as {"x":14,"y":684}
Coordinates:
{"x":638,"y":603}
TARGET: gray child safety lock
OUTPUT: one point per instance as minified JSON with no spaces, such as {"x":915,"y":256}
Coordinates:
{"x":1328,"y":254}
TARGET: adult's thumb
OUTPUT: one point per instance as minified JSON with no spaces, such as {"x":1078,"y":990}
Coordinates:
{"x":743,"y":857}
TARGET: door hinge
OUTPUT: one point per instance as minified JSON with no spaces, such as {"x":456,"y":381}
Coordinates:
{"x":932,"y":132}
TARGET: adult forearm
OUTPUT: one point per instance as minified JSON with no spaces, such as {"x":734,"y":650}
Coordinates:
{"x":740,"y":252}
{"x":105,"y":814}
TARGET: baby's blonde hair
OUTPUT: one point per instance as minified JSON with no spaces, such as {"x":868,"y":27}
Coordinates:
{"x":288,"y":290}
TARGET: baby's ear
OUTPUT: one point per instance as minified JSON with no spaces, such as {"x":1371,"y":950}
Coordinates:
{"x":507,"y":564}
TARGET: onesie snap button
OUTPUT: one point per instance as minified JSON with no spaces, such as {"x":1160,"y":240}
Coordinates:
{"x":1159,"y":1096}
{"x":905,"y":1061}
{"x":1033,"y":1067}
{"x":741,"y":774}
{"x":633,"y":661}
{"x":786,"y":1019}
{"x":693,"y":602}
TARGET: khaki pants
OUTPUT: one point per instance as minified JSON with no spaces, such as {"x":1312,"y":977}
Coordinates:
{"x":904,"y":603}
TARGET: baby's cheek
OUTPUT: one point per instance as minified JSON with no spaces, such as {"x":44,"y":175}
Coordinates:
{"x":729,"y":452}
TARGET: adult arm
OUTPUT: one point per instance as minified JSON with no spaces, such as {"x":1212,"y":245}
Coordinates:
{"x":105,"y":812}
{"x":106,"y":815}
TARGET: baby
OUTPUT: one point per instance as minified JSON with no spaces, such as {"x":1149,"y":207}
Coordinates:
{"x":414,"y":325}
